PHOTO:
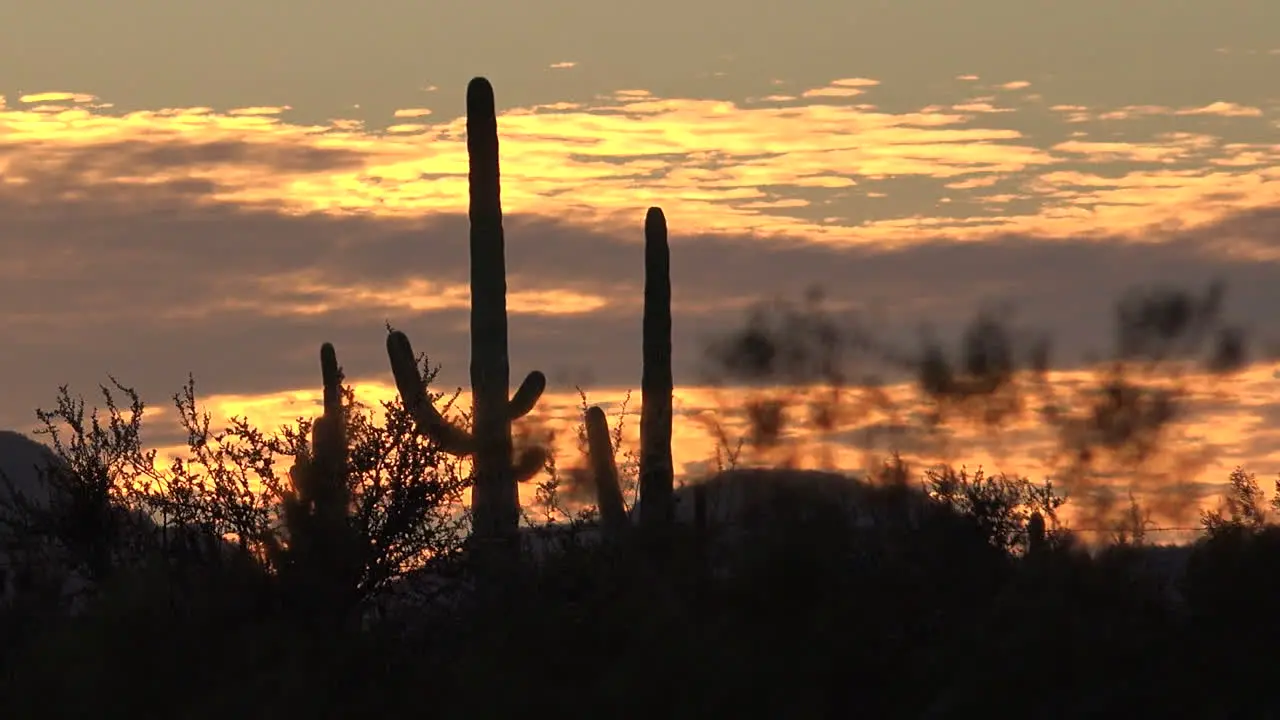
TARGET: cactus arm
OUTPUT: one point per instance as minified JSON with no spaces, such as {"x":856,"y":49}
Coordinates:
{"x":529,"y":462}
{"x":613,"y":515}
{"x":413,"y":393}
{"x":526,"y":397}
{"x":429,"y":421}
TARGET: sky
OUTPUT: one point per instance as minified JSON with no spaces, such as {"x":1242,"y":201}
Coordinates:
{"x":216,"y":189}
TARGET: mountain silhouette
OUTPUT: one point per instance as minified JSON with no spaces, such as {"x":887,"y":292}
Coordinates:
{"x":22,"y":460}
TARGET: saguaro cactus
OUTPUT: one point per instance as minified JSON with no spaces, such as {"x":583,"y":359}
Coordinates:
{"x":656,"y":473}
{"x":656,"y":476}
{"x":495,"y":500}
{"x":1037,"y":537}
{"x":321,"y":561}
{"x":496,"y":503}
{"x":316,"y":508}
{"x":613,"y":513}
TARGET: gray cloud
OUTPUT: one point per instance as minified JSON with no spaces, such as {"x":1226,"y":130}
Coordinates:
{"x":328,"y":55}
{"x":139,"y":158}
{"x":150,"y":283}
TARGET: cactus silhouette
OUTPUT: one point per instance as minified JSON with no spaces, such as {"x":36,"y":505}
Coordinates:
{"x":656,"y":472}
{"x":495,"y":498}
{"x":321,"y":561}
{"x":613,"y":514}
{"x":656,"y":475}
{"x":1036,"y":535}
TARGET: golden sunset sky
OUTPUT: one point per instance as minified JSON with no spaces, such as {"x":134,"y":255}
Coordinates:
{"x":217,"y":188}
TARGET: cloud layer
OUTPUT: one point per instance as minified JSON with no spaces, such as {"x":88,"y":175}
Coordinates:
{"x":230,"y":244}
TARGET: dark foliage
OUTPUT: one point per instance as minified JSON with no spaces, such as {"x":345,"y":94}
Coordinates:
{"x":948,"y":593}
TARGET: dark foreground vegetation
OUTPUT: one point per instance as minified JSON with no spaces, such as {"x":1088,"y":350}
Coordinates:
{"x":329,"y":568}
{"x":945,"y":598}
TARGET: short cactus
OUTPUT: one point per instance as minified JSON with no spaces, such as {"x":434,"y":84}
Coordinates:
{"x":1037,"y":537}
{"x":613,"y":513}
{"x":321,"y":560}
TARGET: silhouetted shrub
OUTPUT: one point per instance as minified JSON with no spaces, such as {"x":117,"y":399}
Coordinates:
{"x":796,"y":593}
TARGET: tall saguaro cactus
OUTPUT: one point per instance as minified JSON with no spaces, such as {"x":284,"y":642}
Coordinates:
{"x":495,"y":499}
{"x":656,"y":473}
{"x":496,"y":502}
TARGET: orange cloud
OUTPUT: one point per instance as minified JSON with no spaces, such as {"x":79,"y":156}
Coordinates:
{"x":979,"y":107}
{"x":1223,"y":109}
{"x":719,"y":165}
{"x":53,"y":97}
{"x":259,"y":110}
{"x":831,"y":92}
{"x":1174,"y":147}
